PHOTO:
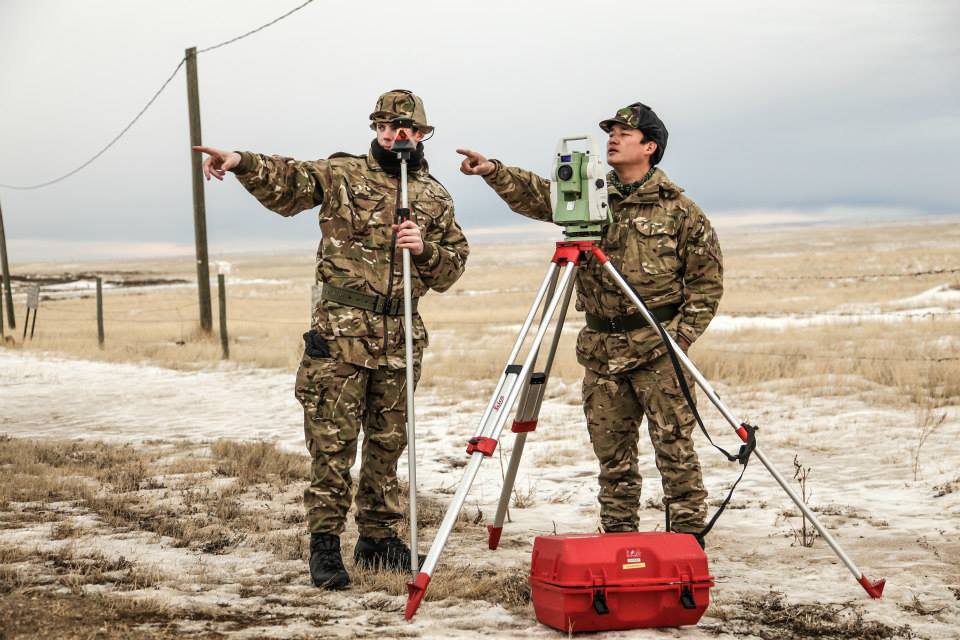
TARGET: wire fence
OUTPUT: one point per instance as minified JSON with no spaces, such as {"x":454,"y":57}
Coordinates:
{"x":238,"y":315}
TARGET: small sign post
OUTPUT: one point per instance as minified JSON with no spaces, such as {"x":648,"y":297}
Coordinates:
{"x":33,"y":304}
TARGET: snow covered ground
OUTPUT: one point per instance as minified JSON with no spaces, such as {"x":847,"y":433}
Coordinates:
{"x":856,"y":445}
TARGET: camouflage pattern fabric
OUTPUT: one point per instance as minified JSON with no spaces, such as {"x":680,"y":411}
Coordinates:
{"x":352,"y":374}
{"x":614,"y":406}
{"x":663,"y":245}
{"x":400,"y":103}
{"x":667,"y":250}
{"x":357,"y":208}
{"x":339,"y":399}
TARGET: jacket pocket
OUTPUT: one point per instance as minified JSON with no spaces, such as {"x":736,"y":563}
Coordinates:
{"x":657,"y":244}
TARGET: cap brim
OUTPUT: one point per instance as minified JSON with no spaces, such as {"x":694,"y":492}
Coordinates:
{"x":607,"y":124}
{"x":386,"y":117}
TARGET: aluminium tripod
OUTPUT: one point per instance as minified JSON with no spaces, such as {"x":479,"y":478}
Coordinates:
{"x":520,"y":381}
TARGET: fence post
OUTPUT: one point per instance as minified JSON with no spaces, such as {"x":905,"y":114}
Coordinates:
{"x":100,"y":311}
{"x":222,"y":294}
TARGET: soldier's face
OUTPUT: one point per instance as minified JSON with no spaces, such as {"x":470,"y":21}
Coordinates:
{"x":386,"y":134}
{"x":626,"y":146}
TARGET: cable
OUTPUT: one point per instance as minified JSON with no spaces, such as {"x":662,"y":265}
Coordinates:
{"x":149,"y":103}
{"x":250,"y":33}
{"x":109,"y":144}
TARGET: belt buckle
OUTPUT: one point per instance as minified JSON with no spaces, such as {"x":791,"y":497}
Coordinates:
{"x":615,"y":327}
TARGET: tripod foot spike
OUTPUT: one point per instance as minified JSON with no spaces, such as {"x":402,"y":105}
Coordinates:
{"x":493,"y":539}
{"x":875,"y":589}
{"x":416,"y":589}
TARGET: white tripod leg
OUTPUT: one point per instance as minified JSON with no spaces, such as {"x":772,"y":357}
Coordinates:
{"x":875,"y":589}
{"x":484,"y":444}
{"x":525,"y":422}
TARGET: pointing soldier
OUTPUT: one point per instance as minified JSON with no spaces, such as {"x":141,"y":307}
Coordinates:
{"x":668,"y":251}
{"x":352,"y":372}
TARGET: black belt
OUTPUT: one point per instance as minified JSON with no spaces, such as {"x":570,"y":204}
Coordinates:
{"x":366,"y":301}
{"x":622,"y":324}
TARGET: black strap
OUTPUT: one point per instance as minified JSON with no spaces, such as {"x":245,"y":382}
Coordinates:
{"x":742,"y":456}
{"x":367,"y":301}
{"x":622,"y":324}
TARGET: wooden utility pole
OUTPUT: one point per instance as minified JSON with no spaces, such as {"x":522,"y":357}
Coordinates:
{"x":199,"y":207}
{"x":11,"y":319}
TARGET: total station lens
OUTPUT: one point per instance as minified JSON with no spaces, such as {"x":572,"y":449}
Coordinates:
{"x":565,"y":172}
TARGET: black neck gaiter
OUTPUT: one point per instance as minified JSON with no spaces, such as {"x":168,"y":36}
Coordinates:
{"x":390,"y":163}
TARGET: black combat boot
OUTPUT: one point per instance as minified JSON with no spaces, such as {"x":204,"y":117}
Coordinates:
{"x":383,"y":553}
{"x":326,"y":565}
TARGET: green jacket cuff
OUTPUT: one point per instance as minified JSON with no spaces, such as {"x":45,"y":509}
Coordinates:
{"x":247,"y":163}
{"x":425,"y":257}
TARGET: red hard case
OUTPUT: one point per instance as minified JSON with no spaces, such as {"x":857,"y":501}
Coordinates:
{"x":598,"y":582}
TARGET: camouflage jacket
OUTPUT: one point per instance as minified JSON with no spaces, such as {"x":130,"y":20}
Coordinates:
{"x":358,"y":201}
{"x":663,"y":245}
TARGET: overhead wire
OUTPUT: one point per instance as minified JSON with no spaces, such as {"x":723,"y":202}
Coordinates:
{"x":149,"y":103}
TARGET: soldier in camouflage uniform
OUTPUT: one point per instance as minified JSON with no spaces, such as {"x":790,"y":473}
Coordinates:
{"x":668,"y":251}
{"x":352,"y":374}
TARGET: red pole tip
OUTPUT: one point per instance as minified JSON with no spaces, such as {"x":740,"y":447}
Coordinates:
{"x":416,"y":588}
{"x":493,"y":536}
{"x":875,"y":589}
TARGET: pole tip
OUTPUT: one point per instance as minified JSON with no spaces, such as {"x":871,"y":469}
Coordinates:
{"x":875,"y":589}
{"x":416,"y":589}
{"x":493,"y":536}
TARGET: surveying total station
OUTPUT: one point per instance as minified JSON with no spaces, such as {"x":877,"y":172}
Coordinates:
{"x":579,"y":191}
{"x":579,"y":196}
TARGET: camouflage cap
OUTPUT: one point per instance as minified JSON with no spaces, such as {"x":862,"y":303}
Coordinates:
{"x":400,"y":103}
{"x":640,"y":116}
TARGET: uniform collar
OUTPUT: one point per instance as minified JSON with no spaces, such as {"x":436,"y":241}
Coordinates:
{"x":423,"y":170}
{"x":656,"y":185}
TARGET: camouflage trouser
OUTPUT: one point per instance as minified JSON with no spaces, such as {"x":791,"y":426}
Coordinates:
{"x":614,"y":406}
{"x":338,"y":399}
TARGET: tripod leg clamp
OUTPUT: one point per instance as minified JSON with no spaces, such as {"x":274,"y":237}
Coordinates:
{"x":523,"y":426}
{"x":486,"y":446}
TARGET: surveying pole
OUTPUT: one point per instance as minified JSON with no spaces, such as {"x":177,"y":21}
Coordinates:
{"x":199,"y":206}
{"x":403,"y":146}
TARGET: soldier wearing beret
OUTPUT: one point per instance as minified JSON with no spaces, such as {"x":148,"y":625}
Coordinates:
{"x":668,"y":251}
{"x":352,"y":374}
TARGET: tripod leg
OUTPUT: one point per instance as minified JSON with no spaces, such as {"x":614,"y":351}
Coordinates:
{"x":549,"y":283}
{"x":525,"y":422}
{"x":483,"y":446}
{"x":873,"y":588}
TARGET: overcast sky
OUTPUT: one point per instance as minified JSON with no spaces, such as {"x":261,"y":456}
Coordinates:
{"x":797,"y":107}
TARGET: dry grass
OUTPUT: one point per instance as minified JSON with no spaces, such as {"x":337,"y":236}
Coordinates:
{"x":257,"y":462}
{"x":507,"y":587}
{"x":240,"y":498}
{"x":771,"y":617}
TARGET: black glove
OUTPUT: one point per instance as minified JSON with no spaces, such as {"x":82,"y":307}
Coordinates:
{"x":314,"y":345}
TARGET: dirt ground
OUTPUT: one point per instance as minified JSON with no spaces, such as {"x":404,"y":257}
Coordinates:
{"x":150,"y":490}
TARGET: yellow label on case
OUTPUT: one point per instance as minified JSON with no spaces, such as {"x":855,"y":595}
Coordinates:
{"x":635,"y":565}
